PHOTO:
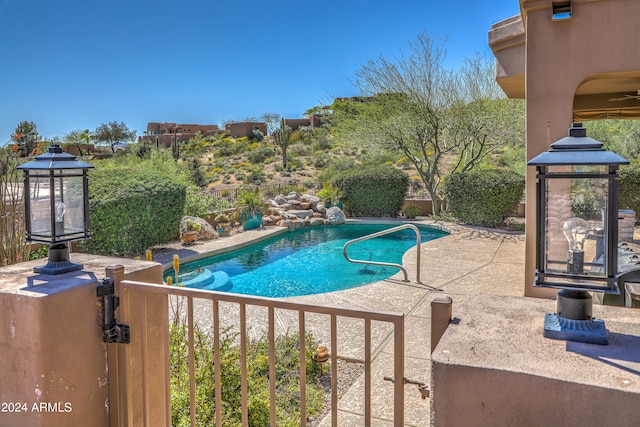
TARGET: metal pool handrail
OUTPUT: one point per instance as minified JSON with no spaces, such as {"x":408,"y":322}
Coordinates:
{"x":388,"y":264}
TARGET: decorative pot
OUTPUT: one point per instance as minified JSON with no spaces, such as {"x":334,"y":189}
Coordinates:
{"x":189,"y":237}
{"x":224,"y":229}
{"x":249,"y":220}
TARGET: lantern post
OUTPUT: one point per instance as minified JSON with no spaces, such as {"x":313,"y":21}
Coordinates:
{"x":577,"y":232}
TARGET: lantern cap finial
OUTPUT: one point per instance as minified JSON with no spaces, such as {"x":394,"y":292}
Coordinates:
{"x":577,"y":131}
{"x":55,"y":148}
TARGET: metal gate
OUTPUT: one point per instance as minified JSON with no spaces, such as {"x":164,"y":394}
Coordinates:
{"x":139,"y":377}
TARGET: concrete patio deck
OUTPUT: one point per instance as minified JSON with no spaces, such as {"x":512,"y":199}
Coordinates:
{"x":468,"y":261}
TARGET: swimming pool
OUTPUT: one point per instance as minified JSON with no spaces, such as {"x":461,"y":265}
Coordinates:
{"x":303,"y":262}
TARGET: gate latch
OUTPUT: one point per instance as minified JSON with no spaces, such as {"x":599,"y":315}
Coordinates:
{"x":422,"y":387}
{"x":112,"y":332}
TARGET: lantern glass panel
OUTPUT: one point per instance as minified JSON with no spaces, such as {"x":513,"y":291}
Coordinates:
{"x":63,"y":189}
{"x":39,"y":190}
{"x":576,"y":223}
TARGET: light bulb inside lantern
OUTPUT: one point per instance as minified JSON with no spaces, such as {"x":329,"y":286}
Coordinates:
{"x":61,"y":208}
{"x":576,"y":230}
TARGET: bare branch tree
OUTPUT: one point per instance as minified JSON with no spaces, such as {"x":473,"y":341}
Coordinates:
{"x":432,"y":114}
{"x":272,"y":120}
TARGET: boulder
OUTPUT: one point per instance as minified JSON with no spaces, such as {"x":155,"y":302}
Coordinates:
{"x":267,"y":221}
{"x":301,"y":213}
{"x":293,"y":196}
{"x":316,"y":221}
{"x":285,"y":223}
{"x":207,"y":232}
{"x":289,"y":215}
{"x":321,"y":208}
{"x":309,"y":198}
{"x":335,"y":215}
{"x":280,"y":200}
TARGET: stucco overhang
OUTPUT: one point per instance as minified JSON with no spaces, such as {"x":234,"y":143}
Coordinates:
{"x":600,"y":96}
{"x":507,"y":41}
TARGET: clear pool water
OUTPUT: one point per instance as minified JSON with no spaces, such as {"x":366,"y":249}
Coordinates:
{"x":303,"y":262}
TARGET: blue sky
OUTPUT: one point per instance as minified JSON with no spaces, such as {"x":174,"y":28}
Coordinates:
{"x":75,"y":64}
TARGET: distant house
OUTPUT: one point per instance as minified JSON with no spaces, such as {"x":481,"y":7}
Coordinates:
{"x":162,"y":134}
{"x":242,"y":129}
{"x":313,"y":121}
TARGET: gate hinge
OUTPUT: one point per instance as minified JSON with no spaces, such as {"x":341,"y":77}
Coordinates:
{"x":112,"y":332}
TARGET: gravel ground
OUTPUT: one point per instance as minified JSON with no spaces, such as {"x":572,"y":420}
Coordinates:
{"x":348,"y":373}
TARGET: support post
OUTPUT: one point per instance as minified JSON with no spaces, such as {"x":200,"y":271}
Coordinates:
{"x":441,"y":314}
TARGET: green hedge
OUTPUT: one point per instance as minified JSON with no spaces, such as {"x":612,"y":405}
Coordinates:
{"x":132,"y":210}
{"x":370,"y":191}
{"x":629,"y":188}
{"x":483,"y":197}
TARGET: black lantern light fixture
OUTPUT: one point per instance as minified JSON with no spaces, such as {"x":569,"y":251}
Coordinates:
{"x":577,"y":232}
{"x":56,"y":206}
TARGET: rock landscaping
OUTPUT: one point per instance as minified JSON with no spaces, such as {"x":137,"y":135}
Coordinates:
{"x":296,"y":211}
{"x":292,"y":211}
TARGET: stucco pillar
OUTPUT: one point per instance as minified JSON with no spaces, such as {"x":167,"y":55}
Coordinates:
{"x":53,"y":369}
{"x":549,"y":104}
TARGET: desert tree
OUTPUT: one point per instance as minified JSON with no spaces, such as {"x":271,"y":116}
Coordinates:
{"x":77,"y":138}
{"x":272,"y":121}
{"x":112,"y":133}
{"x":442,"y":120}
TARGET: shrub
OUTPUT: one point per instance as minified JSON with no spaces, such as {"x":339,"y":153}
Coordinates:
{"x":222,"y":218}
{"x":256,"y":135}
{"x":412,"y":211}
{"x":197,"y":203}
{"x":329,"y":193}
{"x":334,"y":168}
{"x":287,"y":379}
{"x":195,"y":170}
{"x":260,"y":155}
{"x":299,"y":149}
{"x":41,"y":252}
{"x":131,"y":210}
{"x":587,"y":205}
{"x":294,"y":164}
{"x":484,"y":197}
{"x":256,"y":177}
{"x":319,"y":161}
{"x":373,"y":191}
{"x":629,"y":188}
